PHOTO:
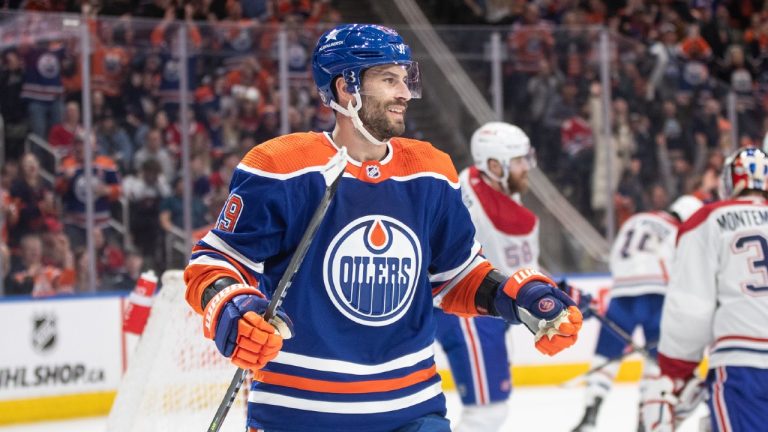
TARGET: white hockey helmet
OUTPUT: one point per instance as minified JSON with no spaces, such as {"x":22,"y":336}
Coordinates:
{"x":746,"y":169}
{"x":503,"y":142}
{"x":685,"y":206}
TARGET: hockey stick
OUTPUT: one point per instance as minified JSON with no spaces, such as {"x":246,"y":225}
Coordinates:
{"x":332,"y":172}
{"x":618,"y":331}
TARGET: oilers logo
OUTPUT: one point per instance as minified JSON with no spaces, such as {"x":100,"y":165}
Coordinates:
{"x":371,"y":269}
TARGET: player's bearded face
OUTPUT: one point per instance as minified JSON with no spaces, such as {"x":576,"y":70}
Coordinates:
{"x":381,"y":116}
{"x":517,"y":181}
{"x":385,"y":97}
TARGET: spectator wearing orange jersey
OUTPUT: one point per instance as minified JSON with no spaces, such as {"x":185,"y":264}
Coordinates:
{"x":30,"y":276}
{"x":110,"y":63}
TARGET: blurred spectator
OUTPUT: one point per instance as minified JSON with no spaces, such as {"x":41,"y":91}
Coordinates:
{"x":630,"y":197}
{"x":323,"y":118}
{"x":42,"y":89}
{"x":165,"y":37}
{"x":665,"y":76}
{"x":154,"y":149}
{"x":110,"y":61}
{"x":32,"y":199}
{"x":269,"y":127}
{"x":110,"y":260}
{"x":172,"y":210}
{"x":220,"y":178}
{"x":658,"y":198}
{"x":5,"y":265}
{"x":126,"y":279}
{"x":11,"y":104}
{"x":62,"y":135}
{"x":718,"y":31}
{"x":543,"y":91}
{"x":609,"y":167}
{"x":144,"y":193}
{"x":30,"y":276}
{"x":554,"y":144}
{"x":530,"y":43}
{"x":71,"y":185}
{"x":114,"y":142}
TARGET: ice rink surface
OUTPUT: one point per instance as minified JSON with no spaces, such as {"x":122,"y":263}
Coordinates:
{"x":534,"y":409}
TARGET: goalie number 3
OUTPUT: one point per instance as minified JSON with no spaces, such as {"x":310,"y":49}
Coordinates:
{"x":230,"y":214}
{"x":758,"y":263}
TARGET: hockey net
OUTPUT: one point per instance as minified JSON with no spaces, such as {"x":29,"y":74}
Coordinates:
{"x":175,"y":379}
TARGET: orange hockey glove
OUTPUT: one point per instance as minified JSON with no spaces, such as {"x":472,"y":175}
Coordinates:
{"x":233,"y":319}
{"x":533,"y":299}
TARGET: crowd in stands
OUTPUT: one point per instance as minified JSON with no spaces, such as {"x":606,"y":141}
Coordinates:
{"x":675,"y":64}
{"x":674,"y":67}
{"x":136,"y":138}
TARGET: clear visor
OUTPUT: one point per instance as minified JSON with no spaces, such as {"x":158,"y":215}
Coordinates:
{"x":392,"y":80}
{"x":527,"y":159}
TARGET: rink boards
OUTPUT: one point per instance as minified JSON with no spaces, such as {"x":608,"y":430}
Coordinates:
{"x":63,"y":357}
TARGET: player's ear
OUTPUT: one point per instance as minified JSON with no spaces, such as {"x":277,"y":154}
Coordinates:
{"x":340,"y":90}
{"x":494,"y":166}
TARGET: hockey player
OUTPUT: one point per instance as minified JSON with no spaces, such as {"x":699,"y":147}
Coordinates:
{"x":718,"y":300}
{"x":509,"y":233}
{"x":395,"y":238}
{"x":640,"y":260}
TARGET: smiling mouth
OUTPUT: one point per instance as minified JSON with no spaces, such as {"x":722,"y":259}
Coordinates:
{"x":397,"y":109}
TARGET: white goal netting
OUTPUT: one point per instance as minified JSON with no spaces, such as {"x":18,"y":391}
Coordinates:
{"x":175,"y":378}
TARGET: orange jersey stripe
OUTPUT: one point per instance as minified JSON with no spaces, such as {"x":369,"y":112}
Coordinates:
{"x":461,"y":300}
{"x":410,"y":157}
{"x":358,"y":387}
{"x":197,"y":277}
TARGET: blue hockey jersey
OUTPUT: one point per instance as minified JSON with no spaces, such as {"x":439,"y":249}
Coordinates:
{"x":396,"y":239}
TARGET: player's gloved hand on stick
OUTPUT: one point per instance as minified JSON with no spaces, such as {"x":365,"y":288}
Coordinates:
{"x":529,"y":297}
{"x":582,"y":299}
{"x":665,"y":403}
{"x":233,"y":319}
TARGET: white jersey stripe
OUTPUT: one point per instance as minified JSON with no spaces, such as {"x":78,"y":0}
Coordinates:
{"x":345,"y":367}
{"x":372,"y":407}
{"x":208,"y":260}
{"x":276,"y":176}
{"x":450,"y":274}
{"x":215,"y":242}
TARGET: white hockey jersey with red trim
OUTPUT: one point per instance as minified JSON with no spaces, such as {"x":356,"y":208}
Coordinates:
{"x":641,"y":254}
{"x":718,"y":293}
{"x":508,"y":231}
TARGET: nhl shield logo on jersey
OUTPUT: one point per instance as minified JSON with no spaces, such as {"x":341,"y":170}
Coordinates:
{"x":371,"y":269}
{"x":373,"y":171}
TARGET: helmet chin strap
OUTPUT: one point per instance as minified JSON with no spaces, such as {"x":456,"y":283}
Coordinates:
{"x":351,"y":111}
{"x":500,"y":180}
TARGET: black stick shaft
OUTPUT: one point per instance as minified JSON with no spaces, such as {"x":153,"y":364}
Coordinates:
{"x":279,"y":295}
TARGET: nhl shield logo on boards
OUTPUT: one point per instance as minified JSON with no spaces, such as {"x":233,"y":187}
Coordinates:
{"x":43,"y":332}
{"x":371,"y":269}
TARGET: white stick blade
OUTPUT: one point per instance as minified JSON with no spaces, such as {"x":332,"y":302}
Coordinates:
{"x":335,"y":166}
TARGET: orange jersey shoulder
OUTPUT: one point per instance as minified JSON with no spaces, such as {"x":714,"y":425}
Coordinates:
{"x":290,"y":153}
{"x":417,"y":157}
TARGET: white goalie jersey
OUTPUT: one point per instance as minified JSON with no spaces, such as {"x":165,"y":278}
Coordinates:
{"x":718,"y":292}
{"x":508,"y":232}
{"x":641,"y":254}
